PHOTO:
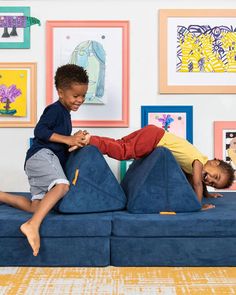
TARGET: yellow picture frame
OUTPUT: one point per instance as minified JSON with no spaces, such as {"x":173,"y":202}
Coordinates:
{"x":18,"y":94}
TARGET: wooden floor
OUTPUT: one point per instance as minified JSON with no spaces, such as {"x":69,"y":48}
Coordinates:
{"x":117,"y":280}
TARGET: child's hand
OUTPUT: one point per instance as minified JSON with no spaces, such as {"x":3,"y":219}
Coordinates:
{"x":85,"y":137}
{"x":214,"y":195}
{"x":77,"y":139}
{"x":207,"y":206}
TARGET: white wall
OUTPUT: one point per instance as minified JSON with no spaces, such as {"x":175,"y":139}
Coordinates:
{"x":144,"y":89}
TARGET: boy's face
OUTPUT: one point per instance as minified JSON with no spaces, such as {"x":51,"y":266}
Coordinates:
{"x":73,"y":97}
{"x":212,"y":174}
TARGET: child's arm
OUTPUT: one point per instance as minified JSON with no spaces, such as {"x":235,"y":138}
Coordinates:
{"x":197,"y":183}
{"x":206,"y":194}
{"x":44,"y":130}
{"x":72,"y":140}
{"x":197,"y":179}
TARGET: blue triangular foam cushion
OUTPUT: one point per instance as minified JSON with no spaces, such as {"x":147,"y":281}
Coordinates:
{"x":157,"y":183}
{"x":94,"y":187}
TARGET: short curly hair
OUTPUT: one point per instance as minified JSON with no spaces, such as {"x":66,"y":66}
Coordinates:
{"x":227,"y":169}
{"x":68,"y":74}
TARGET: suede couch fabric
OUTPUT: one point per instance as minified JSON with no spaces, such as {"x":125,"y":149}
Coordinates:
{"x":95,"y":189}
{"x":123,"y":239}
{"x":157,"y":183}
{"x":59,"y":251}
{"x":56,"y":225}
{"x":173,"y":251}
{"x":217,"y":222}
{"x":66,"y":239}
{"x":206,"y":238}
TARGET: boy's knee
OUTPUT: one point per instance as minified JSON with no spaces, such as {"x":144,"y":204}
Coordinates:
{"x":151,"y":128}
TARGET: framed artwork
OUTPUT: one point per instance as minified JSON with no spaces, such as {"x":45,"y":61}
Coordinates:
{"x":13,"y":32}
{"x":102,"y":49}
{"x":197,"y":51}
{"x":175,"y":119}
{"x":225,"y":144}
{"x":18,"y":94}
{"x":124,"y":166}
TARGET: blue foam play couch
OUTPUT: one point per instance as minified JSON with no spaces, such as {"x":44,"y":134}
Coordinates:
{"x":123,"y":229}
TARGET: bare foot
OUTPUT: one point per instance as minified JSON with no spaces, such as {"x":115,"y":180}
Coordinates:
{"x":32,"y":235}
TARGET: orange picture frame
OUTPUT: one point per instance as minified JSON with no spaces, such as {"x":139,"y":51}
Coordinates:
{"x":173,"y":81}
{"x":62,"y":37}
{"x":10,"y":76}
{"x":225,"y":143}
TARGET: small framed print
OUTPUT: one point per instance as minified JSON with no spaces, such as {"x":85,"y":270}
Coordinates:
{"x":18,"y":94}
{"x":225,"y":144}
{"x":174,"y":119}
{"x":15,"y":23}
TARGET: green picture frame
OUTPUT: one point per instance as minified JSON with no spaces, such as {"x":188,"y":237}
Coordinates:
{"x":17,"y":42}
{"x":124,"y":166}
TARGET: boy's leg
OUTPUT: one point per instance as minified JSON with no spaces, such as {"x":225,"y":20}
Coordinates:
{"x":31,"y":228}
{"x":136,"y":145}
{"x":47,"y":182}
{"x":19,"y":202}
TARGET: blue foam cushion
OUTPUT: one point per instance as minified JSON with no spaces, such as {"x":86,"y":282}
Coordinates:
{"x":95,"y":189}
{"x":157,"y":183}
{"x":57,"y":225}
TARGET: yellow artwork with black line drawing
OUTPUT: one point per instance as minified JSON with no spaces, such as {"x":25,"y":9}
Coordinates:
{"x":13,"y":93}
{"x":205,"y":48}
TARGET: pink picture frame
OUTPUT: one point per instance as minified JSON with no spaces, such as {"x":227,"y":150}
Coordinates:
{"x":225,"y":143}
{"x":63,"y":38}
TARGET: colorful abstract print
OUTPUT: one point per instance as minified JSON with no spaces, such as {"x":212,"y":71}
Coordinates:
{"x":206,"y":49}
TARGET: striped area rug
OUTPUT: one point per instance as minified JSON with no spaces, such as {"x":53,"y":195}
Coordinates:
{"x":117,"y":280}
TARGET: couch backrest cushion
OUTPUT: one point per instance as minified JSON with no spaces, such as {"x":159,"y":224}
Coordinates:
{"x":157,"y":183}
{"x":94,"y":187}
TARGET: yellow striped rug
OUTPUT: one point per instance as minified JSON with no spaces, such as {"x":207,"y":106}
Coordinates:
{"x":117,"y":280}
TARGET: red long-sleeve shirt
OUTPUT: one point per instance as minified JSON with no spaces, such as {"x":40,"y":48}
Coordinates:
{"x":133,"y":146}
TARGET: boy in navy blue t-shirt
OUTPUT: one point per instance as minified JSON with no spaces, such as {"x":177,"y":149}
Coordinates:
{"x":45,"y":160}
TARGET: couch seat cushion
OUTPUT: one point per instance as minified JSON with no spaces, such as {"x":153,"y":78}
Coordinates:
{"x":56,"y":224}
{"x":217,"y":222}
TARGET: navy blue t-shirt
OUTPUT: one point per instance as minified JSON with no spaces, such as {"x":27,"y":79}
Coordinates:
{"x":55,"y":119}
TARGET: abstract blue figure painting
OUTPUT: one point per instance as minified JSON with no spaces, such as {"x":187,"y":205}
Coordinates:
{"x":91,"y":55}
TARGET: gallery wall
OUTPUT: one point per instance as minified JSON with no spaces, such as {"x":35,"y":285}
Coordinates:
{"x":144,"y":74}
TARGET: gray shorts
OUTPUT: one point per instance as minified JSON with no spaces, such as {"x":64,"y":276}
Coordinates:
{"x":44,"y":171}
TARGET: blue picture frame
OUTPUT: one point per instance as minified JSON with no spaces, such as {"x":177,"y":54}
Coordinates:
{"x":186,"y":111}
{"x":19,"y":10}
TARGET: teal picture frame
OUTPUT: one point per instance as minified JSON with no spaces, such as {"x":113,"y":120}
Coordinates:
{"x":18,"y":10}
{"x":124,"y":166}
